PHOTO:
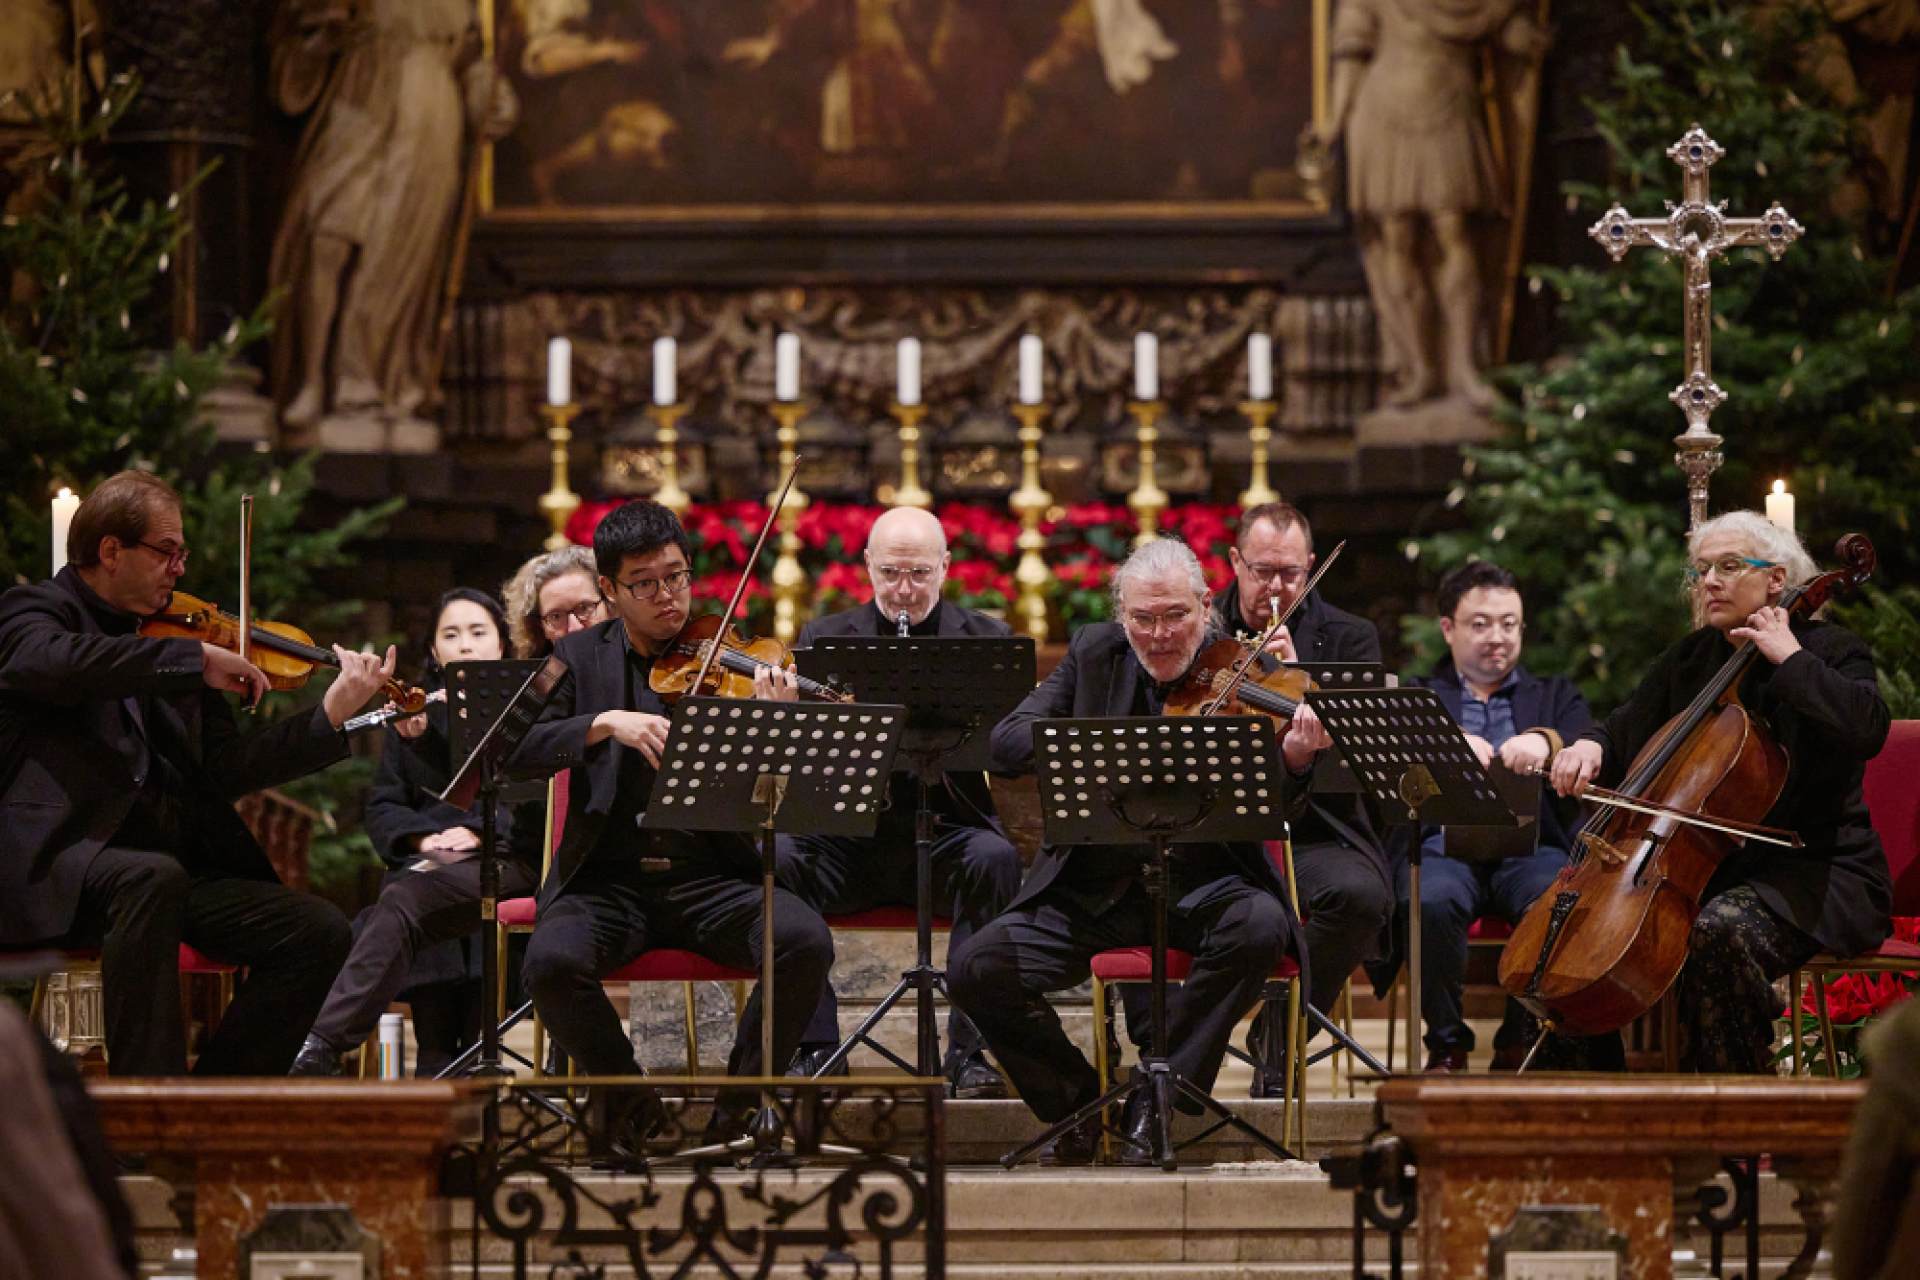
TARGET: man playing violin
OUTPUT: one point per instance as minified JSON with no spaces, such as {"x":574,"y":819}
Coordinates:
{"x":617,"y":890}
{"x":1228,"y":905}
{"x":1767,"y":909}
{"x":119,"y":762}
{"x":976,"y":869}
{"x":1339,"y":863}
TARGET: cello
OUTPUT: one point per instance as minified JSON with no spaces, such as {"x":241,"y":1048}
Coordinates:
{"x":1607,"y":939}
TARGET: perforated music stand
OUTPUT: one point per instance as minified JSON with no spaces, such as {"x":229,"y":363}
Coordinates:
{"x":955,"y":689}
{"x":746,"y":765}
{"x":1125,"y":780}
{"x":1414,"y":764}
{"x":490,"y":705}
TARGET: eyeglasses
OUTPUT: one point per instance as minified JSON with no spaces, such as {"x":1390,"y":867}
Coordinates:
{"x":1726,"y":566}
{"x":1291,"y":574}
{"x":1151,"y":622}
{"x":891,"y":574}
{"x":176,"y":557}
{"x":647,"y":588}
{"x":582,"y":613}
{"x":1479,"y":628}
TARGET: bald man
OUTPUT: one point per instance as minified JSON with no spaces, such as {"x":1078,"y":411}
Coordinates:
{"x":976,"y":870}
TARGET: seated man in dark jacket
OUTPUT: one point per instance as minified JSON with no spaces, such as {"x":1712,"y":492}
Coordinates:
{"x":1522,"y":720}
{"x":1227,"y":905}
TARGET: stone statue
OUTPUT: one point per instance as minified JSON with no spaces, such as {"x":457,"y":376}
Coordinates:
{"x":1422,"y":174}
{"x":400,"y":98}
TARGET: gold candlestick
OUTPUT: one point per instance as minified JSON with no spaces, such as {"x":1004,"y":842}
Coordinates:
{"x":1259,"y":414}
{"x":789,"y":584}
{"x":1148,"y":499}
{"x":1030,"y":503}
{"x":670,"y":495}
{"x":560,"y":501}
{"x":908,"y":492}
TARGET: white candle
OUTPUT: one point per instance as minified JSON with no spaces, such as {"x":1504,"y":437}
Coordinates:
{"x":65,"y":503}
{"x":1259,"y":367}
{"x":559,"y":371}
{"x":909,"y":362}
{"x":786,"y":367}
{"x":666,"y":368}
{"x":1146,"y":367}
{"x":1030,"y":356}
{"x":1780,"y":506}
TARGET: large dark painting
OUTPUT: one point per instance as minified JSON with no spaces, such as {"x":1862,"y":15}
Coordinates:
{"x":679,"y":109}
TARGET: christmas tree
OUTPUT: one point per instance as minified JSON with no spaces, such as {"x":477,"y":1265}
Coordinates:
{"x":1580,"y":496}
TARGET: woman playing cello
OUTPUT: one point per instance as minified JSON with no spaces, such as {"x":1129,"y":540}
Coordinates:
{"x":1767,"y":908}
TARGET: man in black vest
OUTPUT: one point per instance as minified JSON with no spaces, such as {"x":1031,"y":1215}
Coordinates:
{"x":976,"y":869}
{"x":1228,"y":906}
{"x":119,"y":764}
{"x":616,"y":889}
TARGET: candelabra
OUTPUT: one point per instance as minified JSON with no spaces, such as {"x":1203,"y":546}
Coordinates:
{"x":670,"y":495}
{"x":1030,"y":502}
{"x":1259,"y":415}
{"x":789,"y":583}
{"x":1148,"y":499}
{"x":909,"y":493}
{"x":559,"y":501}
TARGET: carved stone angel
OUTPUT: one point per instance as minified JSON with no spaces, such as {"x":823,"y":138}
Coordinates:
{"x":400,"y":98}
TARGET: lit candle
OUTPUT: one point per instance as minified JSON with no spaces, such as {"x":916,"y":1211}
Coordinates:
{"x":909,"y":371}
{"x":1780,"y":506}
{"x":1030,"y":369}
{"x":1146,"y":367}
{"x":786,"y":367}
{"x":1259,"y":367}
{"x":665,"y":368}
{"x":65,"y":503}
{"x":559,"y":371}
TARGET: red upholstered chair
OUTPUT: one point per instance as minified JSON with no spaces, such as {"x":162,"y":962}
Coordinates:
{"x":1893,"y":800}
{"x":86,"y":959}
{"x":1120,"y":965}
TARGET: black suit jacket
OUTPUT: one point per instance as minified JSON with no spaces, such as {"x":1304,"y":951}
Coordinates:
{"x":1100,"y":676}
{"x":966,"y":800}
{"x":67,"y":743}
{"x":1322,"y":633}
{"x":1823,"y":706}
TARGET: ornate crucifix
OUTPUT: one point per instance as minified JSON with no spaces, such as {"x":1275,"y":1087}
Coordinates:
{"x":1696,"y":231}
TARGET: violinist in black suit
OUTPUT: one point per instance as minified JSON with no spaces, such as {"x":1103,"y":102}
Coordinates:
{"x":976,"y":869}
{"x":1228,"y":906}
{"x":1767,"y":909}
{"x":119,"y":764}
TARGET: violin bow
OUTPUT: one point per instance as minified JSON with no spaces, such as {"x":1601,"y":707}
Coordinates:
{"x":1259,"y":646}
{"x":746,"y":574}
{"x":245,"y":647}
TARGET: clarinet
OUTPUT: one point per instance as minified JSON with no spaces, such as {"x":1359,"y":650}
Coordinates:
{"x":902,"y":623}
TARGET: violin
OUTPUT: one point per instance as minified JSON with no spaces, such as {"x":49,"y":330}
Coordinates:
{"x":284,"y":652}
{"x":1220,"y":682}
{"x":1609,"y":936}
{"x":685,"y":667}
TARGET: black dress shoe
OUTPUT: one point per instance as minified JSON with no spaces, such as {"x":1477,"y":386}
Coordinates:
{"x":1137,"y":1133}
{"x":1077,"y":1146}
{"x":316,"y":1058}
{"x":1446,"y":1061}
{"x":808,"y":1059}
{"x":974,"y":1077}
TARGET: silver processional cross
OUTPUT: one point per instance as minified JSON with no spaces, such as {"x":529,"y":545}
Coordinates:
{"x":1696,"y":231}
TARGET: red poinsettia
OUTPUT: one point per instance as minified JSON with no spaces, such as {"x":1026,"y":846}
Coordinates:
{"x":975,"y":582}
{"x":1084,"y":574}
{"x":586,"y":518}
{"x":1853,"y":997}
{"x":842,"y":580}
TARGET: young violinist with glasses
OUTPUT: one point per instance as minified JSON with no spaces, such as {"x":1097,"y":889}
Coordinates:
{"x":1767,"y":909}
{"x":119,"y":763}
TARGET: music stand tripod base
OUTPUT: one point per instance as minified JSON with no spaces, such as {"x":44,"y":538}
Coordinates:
{"x":1124,"y":781}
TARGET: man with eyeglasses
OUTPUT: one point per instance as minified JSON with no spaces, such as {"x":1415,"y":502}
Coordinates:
{"x":976,"y":869}
{"x":1339,"y":862}
{"x":1228,"y":906}
{"x":119,"y":762}
{"x":1521,"y":720}
{"x":1767,"y":909}
{"x":615,"y":889}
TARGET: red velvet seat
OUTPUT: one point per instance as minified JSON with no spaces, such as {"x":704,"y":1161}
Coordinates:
{"x":887,"y":918}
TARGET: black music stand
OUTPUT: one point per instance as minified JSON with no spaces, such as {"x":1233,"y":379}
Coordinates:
{"x":955,"y":689}
{"x":490,"y":705}
{"x":747,"y":765}
{"x":1122,"y":780}
{"x":1414,"y":764}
